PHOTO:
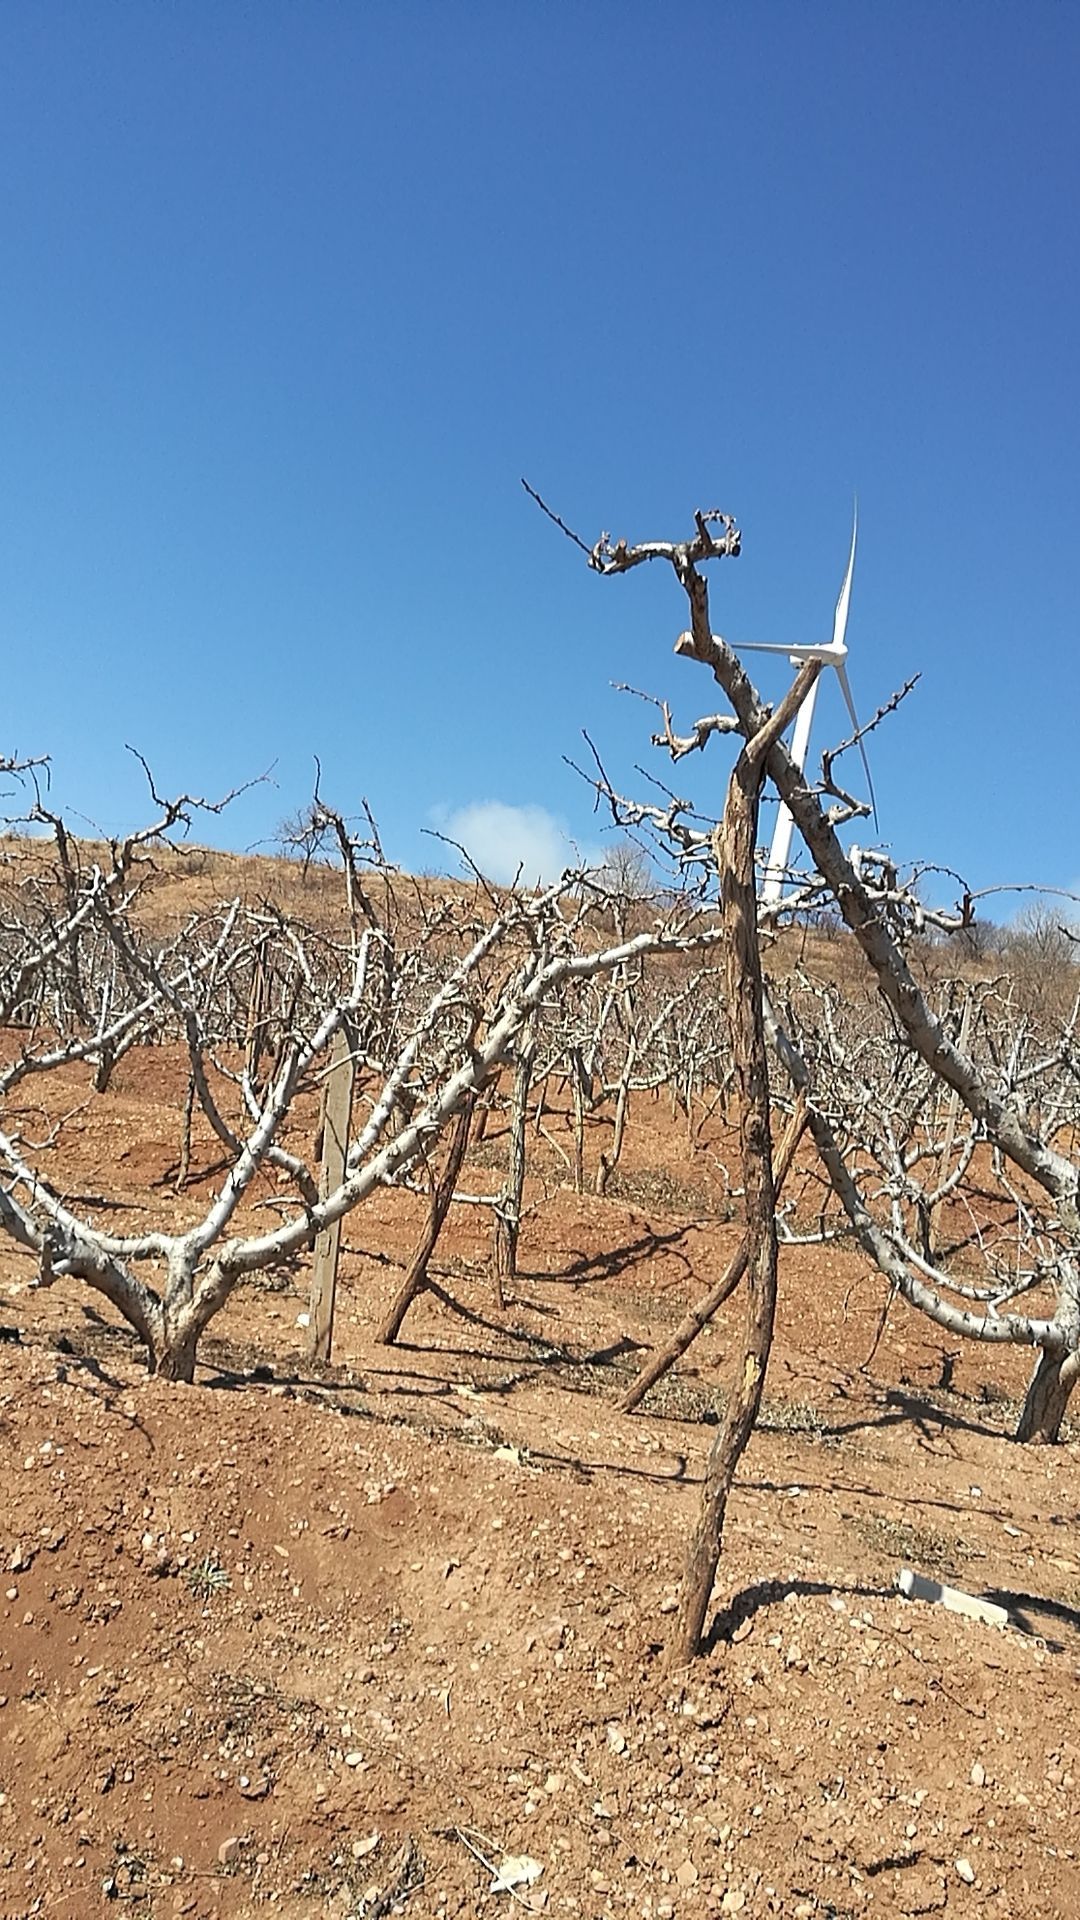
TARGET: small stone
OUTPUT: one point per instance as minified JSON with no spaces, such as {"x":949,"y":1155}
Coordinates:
{"x":616,"y":1740}
{"x":686,"y":1874}
{"x":228,"y":1851}
{"x":965,"y":1870}
{"x":354,"y":1759}
{"x":978,"y":1775}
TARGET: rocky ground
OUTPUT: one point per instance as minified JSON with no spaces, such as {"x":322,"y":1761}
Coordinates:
{"x":346,"y":1643}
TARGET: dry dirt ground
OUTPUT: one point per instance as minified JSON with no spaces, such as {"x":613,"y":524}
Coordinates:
{"x":341,"y":1642}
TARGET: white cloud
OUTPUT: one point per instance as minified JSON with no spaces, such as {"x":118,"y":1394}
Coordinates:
{"x":503,"y":840}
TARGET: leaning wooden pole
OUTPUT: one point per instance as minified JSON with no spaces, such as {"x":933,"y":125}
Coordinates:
{"x":704,"y":1309}
{"x":733,"y":845}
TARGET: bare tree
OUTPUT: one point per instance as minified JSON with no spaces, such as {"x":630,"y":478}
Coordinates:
{"x":430,"y":1018}
{"x":626,"y":872}
{"x":734,"y":853}
{"x":884,"y":915}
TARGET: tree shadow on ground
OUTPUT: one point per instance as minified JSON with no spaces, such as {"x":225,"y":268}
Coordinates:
{"x":1021,"y":1607}
{"x":196,"y":1176}
{"x":73,"y":1361}
{"x":608,"y":1265}
{"x":899,"y":1407}
{"x":589,"y":1469}
{"x":1027,"y":1610}
{"x":857,"y":1490}
{"x":769,"y":1593}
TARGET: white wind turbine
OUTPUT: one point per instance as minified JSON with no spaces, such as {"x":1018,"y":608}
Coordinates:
{"x":833,"y":655}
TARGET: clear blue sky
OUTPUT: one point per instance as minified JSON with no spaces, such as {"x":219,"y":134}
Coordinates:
{"x":292,"y":295}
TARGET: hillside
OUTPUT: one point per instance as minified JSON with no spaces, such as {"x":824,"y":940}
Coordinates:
{"x":323,"y":1643}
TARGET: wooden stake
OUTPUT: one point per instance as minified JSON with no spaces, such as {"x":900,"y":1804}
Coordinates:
{"x":508,"y":1215}
{"x":336,"y":1115}
{"x":258,"y":1006}
{"x":953,"y":1106}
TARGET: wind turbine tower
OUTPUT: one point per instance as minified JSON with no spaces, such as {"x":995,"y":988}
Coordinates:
{"x":834,"y":655}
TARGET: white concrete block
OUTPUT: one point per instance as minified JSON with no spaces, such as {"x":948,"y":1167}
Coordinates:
{"x":916,"y":1586}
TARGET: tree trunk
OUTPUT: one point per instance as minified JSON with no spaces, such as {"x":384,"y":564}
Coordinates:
{"x":174,"y":1353}
{"x":609,"y":1161}
{"x":734,"y":844}
{"x":1047,"y":1398}
{"x":442,"y":1194}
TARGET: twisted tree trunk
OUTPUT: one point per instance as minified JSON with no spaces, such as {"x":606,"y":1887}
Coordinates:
{"x":733,"y":847}
{"x":1047,"y":1398}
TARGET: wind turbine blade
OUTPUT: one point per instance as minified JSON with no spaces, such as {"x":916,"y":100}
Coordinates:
{"x":840,"y":617}
{"x":767,"y":646}
{"x":841,"y":675}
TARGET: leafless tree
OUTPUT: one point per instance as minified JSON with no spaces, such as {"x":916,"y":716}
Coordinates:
{"x":434,"y":990}
{"x":884,"y":914}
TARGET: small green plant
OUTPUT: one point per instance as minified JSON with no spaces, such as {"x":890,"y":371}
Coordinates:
{"x":208,"y":1578}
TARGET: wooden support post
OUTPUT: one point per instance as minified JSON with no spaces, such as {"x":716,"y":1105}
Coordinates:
{"x":581,"y":1085}
{"x":336,"y":1115}
{"x":508,"y":1213}
{"x":952,"y":1108}
{"x":258,"y":1007}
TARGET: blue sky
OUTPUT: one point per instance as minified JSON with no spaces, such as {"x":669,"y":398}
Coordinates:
{"x":293,"y":295}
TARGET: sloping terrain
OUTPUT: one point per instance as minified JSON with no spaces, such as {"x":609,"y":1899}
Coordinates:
{"x":338,"y":1642}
